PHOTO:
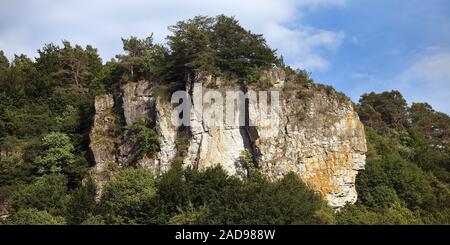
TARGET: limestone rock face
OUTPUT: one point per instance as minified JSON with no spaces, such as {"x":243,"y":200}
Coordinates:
{"x":103,"y":140}
{"x":167,"y":136}
{"x":138,"y":101}
{"x":110,"y":143}
{"x":213,"y":145}
{"x":321,"y":140}
{"x":314,"y":132}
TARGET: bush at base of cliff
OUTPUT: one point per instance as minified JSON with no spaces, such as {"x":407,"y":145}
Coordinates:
{"x":34,"y":217}
{"x":47,"y":193}
{"x":125,"y":195}
{"x":213,"y":197}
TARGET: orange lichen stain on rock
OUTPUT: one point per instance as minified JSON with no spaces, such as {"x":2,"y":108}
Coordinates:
{"x":320,"y":182}
{"x":322,"y":179}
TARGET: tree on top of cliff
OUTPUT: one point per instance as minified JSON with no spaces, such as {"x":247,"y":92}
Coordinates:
{"x":143,"y":58}
{"x":218,"y":45}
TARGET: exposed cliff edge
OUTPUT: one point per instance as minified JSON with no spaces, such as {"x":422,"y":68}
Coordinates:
{"x":109,"y":140}
{"x":318,"y":135}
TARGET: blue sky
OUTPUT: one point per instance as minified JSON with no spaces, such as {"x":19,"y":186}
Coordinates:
{"x":357,"y":46}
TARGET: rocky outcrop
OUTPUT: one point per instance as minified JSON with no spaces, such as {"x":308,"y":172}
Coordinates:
{"x":103,"y":140}
{"x":138,"y":101}
{"x":110,"y":142}
{"x":314,"y":132}
{"x":321,"y":139}
{"x":213,"y":146}
{"x":167,"y":135}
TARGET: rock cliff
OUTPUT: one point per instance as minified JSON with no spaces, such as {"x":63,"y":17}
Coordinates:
{"x":317,"y":135}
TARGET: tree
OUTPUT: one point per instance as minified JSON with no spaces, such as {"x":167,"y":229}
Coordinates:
{"x":49,"y":63}
{"x":82,"y":203}
{"x":144,"y":140}
{"x":395,"y":214}
{"x":4,"y":67}
{"x":14,"y":170}
{"x":213,"y":197}
{"x":248,"y":163}
{"x":191,"y":216}
{"x":427,"y":157}
{"x":142,"y":58}
{"x":394,"y":173}
{"x":47,"y":193}
{"x":107,"y":79}
{"x":190,"y":45}
{"x":31,"y":216}
{"x":371,"y":118}
{"x":434,"y":125}
{"x":391,"y":106}
{"x":94,"y":62}
{"x":21,"y":81}
{"x":57,"y":154}
{"x":73,"y":65}
{"x":239,"y":51}
{"x":218,"y":46}
{"x":125,"y":196}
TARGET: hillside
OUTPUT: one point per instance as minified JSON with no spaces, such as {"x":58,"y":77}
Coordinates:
{"x":84,"y":141}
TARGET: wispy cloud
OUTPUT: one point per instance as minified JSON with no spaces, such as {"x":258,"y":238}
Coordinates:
{"x":26,"y":25}
{"x":428,"y":79}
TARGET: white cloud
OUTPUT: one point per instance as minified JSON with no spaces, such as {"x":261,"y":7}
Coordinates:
{"x":26,"y":26}
{"x":303,"y":46}
{"x":428,"y":79}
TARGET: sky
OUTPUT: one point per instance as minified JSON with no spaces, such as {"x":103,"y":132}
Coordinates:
{"x":357,"y":46}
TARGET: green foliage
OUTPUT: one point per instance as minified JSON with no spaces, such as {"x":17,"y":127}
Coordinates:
{"x":238,"y":51}
{"x":125,"y":196}
{"x":94,"y":220}
{"x":390,"y":177}
{"x":4,"y":65}
{"x":287,"y":201}
{"x":145,"y":141}
{"x":213,"y":197}
{"x":407,"y":173}
{"x":391,"y":107}
{"x":396,"y":214}
{"x":191,"y":216}
{"x":433,"y":125}
{"x":57,"y":154}
{"x":248,"y":163}
{"x":217,"y":46}
{"x":143,"y":59}
{"x":47,"y":193}
{"x":31,"y":216}
{"x":82,"y":203}
{"x":13,"y":170}
{"x":325,"y":216}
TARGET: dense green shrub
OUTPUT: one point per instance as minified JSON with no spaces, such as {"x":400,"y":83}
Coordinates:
{"x":47,"y":193}
{"x":124,"y":197}
{"x":31,"y":216}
